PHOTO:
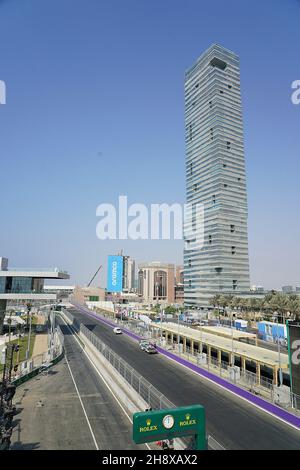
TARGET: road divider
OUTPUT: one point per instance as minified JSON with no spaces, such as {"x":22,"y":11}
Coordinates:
{"x":258,"y":402}
{"x":131,"y":389}
{"x":127,"y":396}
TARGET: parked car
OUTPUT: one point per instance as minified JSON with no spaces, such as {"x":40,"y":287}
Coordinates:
{"x":117,"y":330}
{"x":150,"y":349}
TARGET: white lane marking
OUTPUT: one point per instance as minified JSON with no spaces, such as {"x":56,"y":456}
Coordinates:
{"x":223,"y":388}
{"x":214,"y":444}
{"x":85,"y":414}
{"x":100,"y":375}
{"x":234,"y":393}
{"x":210,"y":438}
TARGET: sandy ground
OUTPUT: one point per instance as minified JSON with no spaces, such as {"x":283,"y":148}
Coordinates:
{"x":40,"y":344}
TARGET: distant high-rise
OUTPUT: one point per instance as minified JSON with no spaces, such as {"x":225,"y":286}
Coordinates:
{"x":215,"y":177}
{"x":120,"y":273}
{"x":128,"y":274}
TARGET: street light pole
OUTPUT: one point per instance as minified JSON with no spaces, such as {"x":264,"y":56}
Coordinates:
{"x":279,"y":356}
{"x":160,"y":314}
{"x":178,"y":330}
{"x":29,"y":334}
{"x":232,"y":360}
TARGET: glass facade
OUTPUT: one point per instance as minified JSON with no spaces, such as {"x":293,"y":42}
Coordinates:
{"x":160,"y":285}
{"x":20,"y":285}
{"x":2,"y":284}
{"x":215,"y":177}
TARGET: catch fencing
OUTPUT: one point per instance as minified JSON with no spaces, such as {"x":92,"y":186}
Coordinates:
{"x":258,"y":385}
{"x":153,"y":398}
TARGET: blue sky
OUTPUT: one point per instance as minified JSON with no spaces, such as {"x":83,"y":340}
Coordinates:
{"x":95,"y":109}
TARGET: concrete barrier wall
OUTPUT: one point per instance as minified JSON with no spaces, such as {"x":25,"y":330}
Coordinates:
{"x":238,"y":391}
{"x":126,"y":394}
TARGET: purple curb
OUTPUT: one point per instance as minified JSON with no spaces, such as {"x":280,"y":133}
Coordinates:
{"x":260,"y":402}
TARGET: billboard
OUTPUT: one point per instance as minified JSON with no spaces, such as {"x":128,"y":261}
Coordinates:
{"x":294,"y":356}
{"x":115,"y":273}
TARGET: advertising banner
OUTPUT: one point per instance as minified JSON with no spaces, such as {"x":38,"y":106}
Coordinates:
{"x":294,"y":355}
{"x":114,"y":273}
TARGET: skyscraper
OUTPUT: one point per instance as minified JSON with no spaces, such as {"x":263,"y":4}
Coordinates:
{"x":215,"y":177}
{"x":128,"y":274}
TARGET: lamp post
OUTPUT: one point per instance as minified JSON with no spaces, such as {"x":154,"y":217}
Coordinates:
{"x":232,"y":357}
{"x":9,"y":326}
{"x":178,"y":325}
{"x":161,"y":315}
{"x":29,"y":334}
{"x":279,"y":356}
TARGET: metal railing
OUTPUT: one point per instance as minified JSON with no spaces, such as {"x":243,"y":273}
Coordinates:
{"x":152,"y":396}
{"x":149,"y":393}
{"x":246,"y":379}
{"x":34,"y":363}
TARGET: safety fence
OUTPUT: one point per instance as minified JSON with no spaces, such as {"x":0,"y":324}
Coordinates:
{"x":150,"y":394}
{"x":153,"y":398}
{"x":40,"y":362}
{"x":258,"y":385}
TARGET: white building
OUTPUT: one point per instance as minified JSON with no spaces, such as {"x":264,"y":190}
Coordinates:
{"x":25,"y":285}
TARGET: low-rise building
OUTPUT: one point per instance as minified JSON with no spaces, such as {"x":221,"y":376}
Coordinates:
{"x":19,"y":284}
{"x":88,"y":294}
{"x":287,"y":289}
{"x":62,"y":292}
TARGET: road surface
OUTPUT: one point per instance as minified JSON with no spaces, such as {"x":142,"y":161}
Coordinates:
{"x":70,"y":408}
{"x":233,"y":422}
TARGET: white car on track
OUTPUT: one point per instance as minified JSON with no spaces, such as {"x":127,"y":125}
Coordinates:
{"x":117,"y":330}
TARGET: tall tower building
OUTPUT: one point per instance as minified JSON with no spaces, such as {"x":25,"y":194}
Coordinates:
{"x":128,"y":274}
{"x":215,"y":177}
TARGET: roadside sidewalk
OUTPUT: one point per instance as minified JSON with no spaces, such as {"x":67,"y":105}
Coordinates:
{"x":40,"y":344}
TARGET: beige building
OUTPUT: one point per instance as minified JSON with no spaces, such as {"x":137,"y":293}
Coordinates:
{"x":88,"y":294}
{"x":156,"y":282}
{"x":179,"y":275}
{"x":179,"y":285}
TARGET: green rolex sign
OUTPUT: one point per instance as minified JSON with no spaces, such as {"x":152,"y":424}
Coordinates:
{"x":158,"y":425}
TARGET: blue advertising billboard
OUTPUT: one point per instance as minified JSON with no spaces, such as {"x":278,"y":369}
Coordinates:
{"x":114,"y":273}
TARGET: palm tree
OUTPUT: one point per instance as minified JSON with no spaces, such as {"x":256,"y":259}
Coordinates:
{"x":294,"y":307}
{"x":28,"y":312}
{"x":215,"y":300}
{"x":253,"y":304}
{"x":223,"y":302}
{"x":235,"y":303}
{"x":243,"y":304}
{"x":279,"y":302}
{"x":9,"y":321}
